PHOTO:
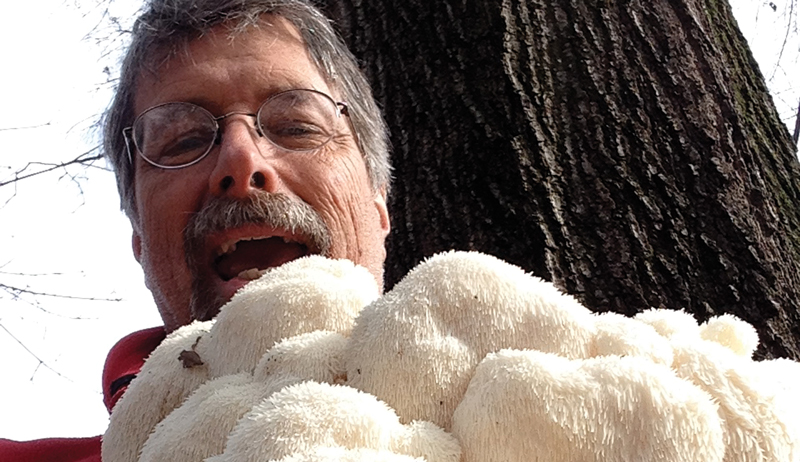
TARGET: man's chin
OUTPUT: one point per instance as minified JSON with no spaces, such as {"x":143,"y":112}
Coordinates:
{"x":209,"y":296}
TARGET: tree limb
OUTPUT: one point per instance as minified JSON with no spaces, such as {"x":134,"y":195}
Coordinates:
{"x":16,"y":291}
{"x":41,"y":361}
{"x":84,"y":159}
{"x":24,"y":128}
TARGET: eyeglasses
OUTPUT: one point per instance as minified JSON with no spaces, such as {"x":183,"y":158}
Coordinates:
{"x":177,"y":135}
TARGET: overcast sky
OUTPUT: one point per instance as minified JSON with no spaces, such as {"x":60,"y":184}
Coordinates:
{"x":64,"y":230}
{"x":67,"y":231}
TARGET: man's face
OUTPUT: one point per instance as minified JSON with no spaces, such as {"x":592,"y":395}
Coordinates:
{"x":191,"y":278}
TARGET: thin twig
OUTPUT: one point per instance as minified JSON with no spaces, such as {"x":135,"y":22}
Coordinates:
{"x":50,"y":167}
{"x":785,"y":40}
{"x":7,"y":273}
{"x":19,"y":290}
{"x":41,"y":361}
{"x":29,"y":127}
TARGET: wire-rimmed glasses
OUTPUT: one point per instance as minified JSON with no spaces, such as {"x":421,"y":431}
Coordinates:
{"x":179,"y":134}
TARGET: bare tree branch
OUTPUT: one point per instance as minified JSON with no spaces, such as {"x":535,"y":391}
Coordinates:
{"x":17,"y":291}
{"x":41,"y":361}
{"x":86,"y":159}
{"x":29,"y":127}
{"x":7,"y":273}
{"x":785,"y":39}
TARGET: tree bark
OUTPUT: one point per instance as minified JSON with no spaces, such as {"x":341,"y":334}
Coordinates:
{"x":626,"y":150}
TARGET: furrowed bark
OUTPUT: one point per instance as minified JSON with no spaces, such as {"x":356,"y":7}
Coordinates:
{"x":628,"y":151}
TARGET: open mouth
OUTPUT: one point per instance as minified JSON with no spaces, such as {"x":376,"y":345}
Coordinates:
{"x":249,"y":258}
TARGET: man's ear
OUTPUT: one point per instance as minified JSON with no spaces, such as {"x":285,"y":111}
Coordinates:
{"x":136,"y":243}
{"x":383,"y":211}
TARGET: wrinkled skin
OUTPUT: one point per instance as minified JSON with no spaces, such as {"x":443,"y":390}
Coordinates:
{"x":224,"y":74}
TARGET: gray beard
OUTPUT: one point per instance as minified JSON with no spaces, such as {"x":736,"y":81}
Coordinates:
{"x":260,"y":208}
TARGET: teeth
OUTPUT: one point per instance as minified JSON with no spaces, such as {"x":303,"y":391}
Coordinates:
{"x":251,"y":274}
{"x":227,"y":247}
{"x":230,"y":247}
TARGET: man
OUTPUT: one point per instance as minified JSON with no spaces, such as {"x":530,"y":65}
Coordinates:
{"x":321,"y":197}
{"x":242,"y":136}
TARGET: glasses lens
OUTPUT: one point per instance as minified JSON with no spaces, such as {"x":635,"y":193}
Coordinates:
{"x":298,"y":120}
{"x":174,"y":134}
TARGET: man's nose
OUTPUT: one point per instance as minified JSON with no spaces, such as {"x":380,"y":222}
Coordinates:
{"x":243,"y":162}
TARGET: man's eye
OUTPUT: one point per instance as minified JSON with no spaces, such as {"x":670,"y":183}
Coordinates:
{"x":176,"y":150}
{"x":299,"y":130}
{"x":298,"y":136}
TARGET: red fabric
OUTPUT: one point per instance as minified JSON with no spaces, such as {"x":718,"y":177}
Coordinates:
{"x":51,"y":450}
{"x":124,"y":359}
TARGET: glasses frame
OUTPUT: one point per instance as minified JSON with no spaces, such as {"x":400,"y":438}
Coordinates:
{"x":342,"y":108}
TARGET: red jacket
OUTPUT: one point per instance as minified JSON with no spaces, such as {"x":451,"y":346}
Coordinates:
{"x":122,"y":364}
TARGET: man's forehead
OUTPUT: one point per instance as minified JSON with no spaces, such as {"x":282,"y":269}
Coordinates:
{"x":228,"y":37}
{"x":258,"y":52}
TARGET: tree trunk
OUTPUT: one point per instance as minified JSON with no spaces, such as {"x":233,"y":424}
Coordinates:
{"x":628,"y":151}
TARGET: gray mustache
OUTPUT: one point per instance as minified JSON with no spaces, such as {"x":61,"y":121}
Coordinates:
{"x":260,"y":208}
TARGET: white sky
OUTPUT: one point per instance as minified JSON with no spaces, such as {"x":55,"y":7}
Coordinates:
{"x":52,"y":75}
{"x":71,"y":231}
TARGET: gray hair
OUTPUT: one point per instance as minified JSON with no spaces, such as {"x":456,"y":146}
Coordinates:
{"x":167,"y":25}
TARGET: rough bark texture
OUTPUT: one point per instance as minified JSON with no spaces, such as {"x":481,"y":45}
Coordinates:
{"x":628,"y":151}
